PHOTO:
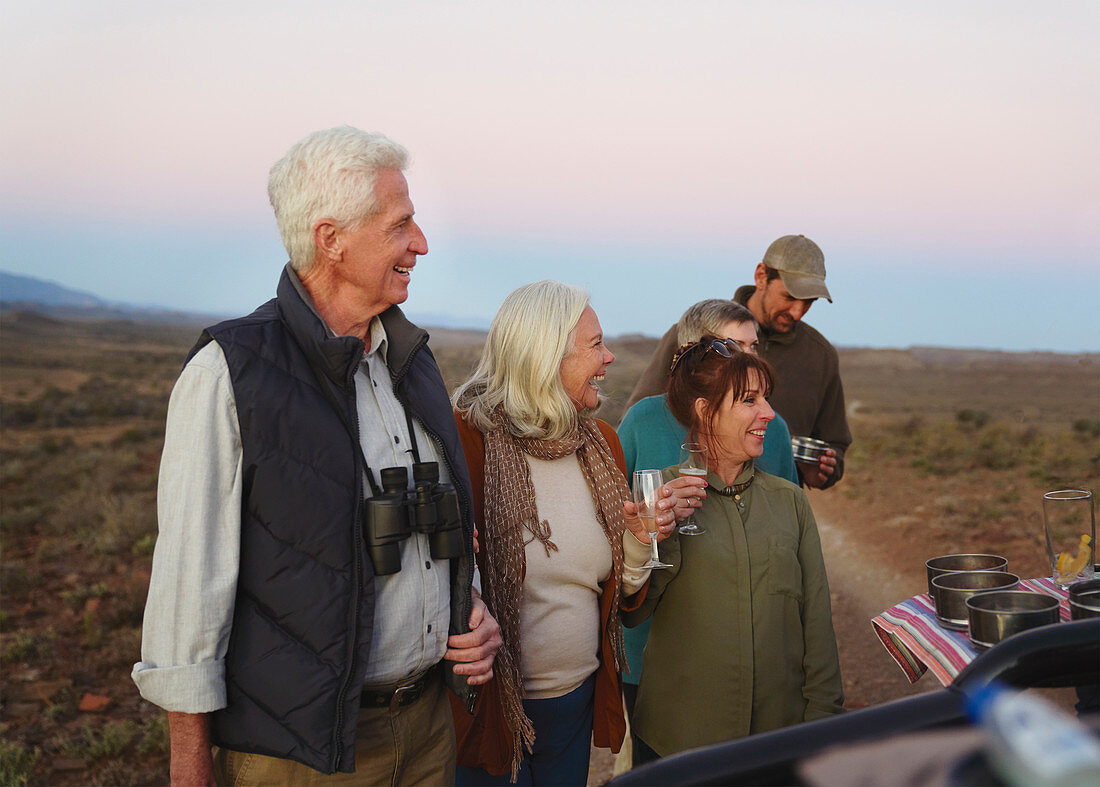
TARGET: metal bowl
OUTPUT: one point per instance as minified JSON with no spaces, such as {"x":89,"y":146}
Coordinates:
{"x":943,"y":564}
{"x":996,"y":616}
{"x":1084,"y":599}
{"x":950,"y":592}
{"x":808,"y":449}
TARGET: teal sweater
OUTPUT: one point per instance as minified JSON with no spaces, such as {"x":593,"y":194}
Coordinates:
{"x":651,"y":439}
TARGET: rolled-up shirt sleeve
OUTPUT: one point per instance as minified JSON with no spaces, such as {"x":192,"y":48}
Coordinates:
{"x":189,"y":610}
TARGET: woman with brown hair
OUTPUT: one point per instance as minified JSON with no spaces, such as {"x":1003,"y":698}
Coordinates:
{"x":742,"y":637}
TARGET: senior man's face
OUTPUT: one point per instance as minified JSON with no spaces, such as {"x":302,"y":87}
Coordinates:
{"x":380,"y":254}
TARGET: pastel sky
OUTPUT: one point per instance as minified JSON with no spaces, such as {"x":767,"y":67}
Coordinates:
{"x":942,"y":154}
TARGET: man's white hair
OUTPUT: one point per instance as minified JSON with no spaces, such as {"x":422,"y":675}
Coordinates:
{"x":328,"y":175}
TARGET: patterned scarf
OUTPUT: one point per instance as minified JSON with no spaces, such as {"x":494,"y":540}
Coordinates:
{"x":510,"y":513}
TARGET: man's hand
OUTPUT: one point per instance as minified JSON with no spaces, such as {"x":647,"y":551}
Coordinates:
{"x":474,"y":651}
{"x":679,"y":498}
{"x":191,"y":762}
{"x":819,"y":476}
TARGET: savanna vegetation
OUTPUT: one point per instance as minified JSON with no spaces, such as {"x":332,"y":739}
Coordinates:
{"x":951,"y":449}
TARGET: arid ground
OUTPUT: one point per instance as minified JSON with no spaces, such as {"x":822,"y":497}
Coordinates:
{"x":952,"y":451}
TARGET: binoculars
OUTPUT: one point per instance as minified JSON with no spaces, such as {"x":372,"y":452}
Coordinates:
{"x":429,"y":507}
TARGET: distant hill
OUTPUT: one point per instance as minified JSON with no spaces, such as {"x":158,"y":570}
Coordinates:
{"x":24,"y":289}
{"x":38,"y":296}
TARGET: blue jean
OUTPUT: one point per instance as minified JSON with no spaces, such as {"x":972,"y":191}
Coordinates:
{"x":563,"y":743}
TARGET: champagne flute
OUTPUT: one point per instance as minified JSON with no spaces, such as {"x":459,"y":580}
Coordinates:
{"x":647,"y":491}
{"x":693,"y":462}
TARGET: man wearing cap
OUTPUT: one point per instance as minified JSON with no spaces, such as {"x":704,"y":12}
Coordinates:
{"x":808,"y":392}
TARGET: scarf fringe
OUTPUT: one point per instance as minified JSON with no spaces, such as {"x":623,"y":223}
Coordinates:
{"x":522,"y":738}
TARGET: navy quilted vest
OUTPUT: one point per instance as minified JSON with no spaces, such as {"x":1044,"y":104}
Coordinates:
{"x":305,"y":600}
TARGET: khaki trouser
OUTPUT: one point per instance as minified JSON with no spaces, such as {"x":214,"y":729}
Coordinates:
{"x":414,"y":745}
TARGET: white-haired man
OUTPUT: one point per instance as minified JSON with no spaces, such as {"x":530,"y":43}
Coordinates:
{"x":304,"y":612}
{"x":808,"y":392}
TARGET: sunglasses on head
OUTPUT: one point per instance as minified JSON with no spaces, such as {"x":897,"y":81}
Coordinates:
{"x":724,"y":347}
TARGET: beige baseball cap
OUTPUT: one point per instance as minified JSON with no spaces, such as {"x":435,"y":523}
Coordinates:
{"x":801,"y":266}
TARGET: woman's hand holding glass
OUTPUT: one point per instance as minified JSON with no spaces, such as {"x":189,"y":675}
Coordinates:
{"x":677,"y":500}
{"x":685,"y":494}
{"x":693,"y":463}
{"x":648,"y":492}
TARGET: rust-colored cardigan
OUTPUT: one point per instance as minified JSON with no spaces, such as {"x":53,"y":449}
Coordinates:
{"x":484,"y":740}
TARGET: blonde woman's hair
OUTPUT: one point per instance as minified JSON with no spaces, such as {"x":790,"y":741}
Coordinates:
{"x":709,"y":318}
{"x":520,"y":366}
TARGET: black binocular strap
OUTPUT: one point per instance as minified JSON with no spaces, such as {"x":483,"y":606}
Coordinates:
{"x":412,"y":435}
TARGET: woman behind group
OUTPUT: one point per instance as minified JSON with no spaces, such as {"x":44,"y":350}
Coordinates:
{"x":742,"y":637}
{"x":552,"y":507}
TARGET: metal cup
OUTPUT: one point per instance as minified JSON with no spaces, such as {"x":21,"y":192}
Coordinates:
{"x":1084,"y":599}
{"x":808,"y":449}
{"x":998,"y":615}
{"x":944,"y":564}
{"x":950,"y":592}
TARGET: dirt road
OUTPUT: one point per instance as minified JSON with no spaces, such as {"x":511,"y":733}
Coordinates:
{"x":865,"y":579}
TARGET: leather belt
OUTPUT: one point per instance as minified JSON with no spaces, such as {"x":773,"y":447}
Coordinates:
{"x":405,"y":694}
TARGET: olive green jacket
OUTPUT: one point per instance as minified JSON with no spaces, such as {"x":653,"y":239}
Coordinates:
{"x":742,"y":635}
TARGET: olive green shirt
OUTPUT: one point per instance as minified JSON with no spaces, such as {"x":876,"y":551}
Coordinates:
{"x":742,"y":634}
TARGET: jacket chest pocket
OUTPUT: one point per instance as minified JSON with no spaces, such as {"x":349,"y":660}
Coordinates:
{"x":784,"y":569}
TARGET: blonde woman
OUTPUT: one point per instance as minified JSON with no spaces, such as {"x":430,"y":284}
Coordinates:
{"x":552,"y":507}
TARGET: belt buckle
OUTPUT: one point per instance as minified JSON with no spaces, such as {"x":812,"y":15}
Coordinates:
{"x":399,"y":693}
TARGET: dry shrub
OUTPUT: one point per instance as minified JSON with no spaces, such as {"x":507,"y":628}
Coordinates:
{"x":17,"y":763}
{"x":16,"y":579}
{"x":28,"y":647}
{"x":93,"y":743}
{"x":101,"y":507}
{"x":96,"y":401}
{"x":1089,"y":427}
{"x":126,"y":519}
{"x":950,"y":449}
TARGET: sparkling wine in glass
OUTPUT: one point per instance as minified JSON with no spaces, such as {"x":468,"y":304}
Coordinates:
{"x":693,"y":462}
{"x":647,"y":485}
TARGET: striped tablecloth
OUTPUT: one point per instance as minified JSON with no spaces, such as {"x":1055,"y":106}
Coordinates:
{"x":918,"y":643}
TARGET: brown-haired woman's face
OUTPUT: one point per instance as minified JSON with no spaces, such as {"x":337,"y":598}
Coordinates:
{"x":737,"y":427}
